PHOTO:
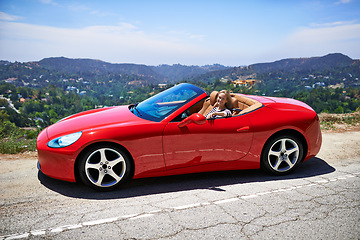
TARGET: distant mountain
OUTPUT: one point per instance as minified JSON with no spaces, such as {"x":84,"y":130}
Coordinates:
{"x":327,"y":62}
{"x":161,"y":73}
{"x":291,"y":65}
{"x":68,"y":65}
{"x":2,"y":62}
{"x":178,"y":72}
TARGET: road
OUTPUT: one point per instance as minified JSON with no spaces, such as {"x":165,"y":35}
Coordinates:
{"x":11,"y":105}
{"x":321,"y":200}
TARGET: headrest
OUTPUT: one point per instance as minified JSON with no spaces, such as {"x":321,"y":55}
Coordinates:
{"x":234,"y":102}
{"x":213,"y":97}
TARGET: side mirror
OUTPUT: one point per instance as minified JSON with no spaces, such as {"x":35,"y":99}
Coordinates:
{"x":193,"y":118}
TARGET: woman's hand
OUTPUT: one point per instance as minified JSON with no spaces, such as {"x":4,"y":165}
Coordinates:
{"x":212,"y":115}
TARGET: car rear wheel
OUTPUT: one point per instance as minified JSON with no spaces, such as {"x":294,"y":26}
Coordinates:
{"x":104,"y":167}
{"x":282,"y":154}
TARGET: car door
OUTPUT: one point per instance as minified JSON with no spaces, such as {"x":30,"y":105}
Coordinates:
{"x":219,"y":140}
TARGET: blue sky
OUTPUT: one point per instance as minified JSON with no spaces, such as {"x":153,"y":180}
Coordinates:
{"x":189,"y":32}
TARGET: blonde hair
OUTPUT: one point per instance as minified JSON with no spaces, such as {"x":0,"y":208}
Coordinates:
{"x":228,"y":99}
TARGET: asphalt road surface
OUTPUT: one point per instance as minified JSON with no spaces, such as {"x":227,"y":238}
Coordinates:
{"x":321,"y":200}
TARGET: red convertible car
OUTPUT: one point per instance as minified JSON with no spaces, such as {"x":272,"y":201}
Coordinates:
{"x":168,"y":134}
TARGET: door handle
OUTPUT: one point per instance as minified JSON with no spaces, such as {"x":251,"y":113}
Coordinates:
{"x":243,"y":129}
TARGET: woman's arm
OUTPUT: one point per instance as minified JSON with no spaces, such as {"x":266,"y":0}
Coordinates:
{"x":226,"y":113}
{"x":221,"y":114}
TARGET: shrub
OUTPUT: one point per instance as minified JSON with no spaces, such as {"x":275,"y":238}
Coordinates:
{"x":15,"y":140}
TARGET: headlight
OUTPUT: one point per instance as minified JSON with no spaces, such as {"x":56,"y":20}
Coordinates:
{"x":64,"y":141}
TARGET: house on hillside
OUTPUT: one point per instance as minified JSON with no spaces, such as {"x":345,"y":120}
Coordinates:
{"x":247,"y":82}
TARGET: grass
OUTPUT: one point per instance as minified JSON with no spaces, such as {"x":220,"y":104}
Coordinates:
{"x":14,"y":146}
{"x":16,"y":140}
{"x":344,"y":121}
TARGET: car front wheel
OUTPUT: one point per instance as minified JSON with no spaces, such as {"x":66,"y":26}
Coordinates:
{"x":282,"y":154}
{"x":104,"y":167}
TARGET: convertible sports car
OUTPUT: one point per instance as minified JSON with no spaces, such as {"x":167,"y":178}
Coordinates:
{"x":168,"y":134}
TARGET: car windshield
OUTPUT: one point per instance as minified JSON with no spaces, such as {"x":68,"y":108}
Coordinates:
{"x":163,"y":104}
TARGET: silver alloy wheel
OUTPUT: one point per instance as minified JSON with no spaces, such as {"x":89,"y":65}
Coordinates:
{"x":283,"y":155}
{"x":105,"y":167}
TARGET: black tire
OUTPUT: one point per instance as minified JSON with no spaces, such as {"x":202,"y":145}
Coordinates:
{"x":282,"y":154}
{"x":104,"y":167}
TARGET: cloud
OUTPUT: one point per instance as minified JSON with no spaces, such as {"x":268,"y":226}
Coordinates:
{"x":334,"y":33}
{"x":118,"y":43}
{"x":184,"y":35}
{"x":51,"y":2}
{"x":342,"y":2}
{"x":8,"y":17}
{"x":331,"y":37}
{"x":76,"y":7}
{"x":332,"y":24}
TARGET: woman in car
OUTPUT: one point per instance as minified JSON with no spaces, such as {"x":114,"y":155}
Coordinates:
{"x":222,"y":106}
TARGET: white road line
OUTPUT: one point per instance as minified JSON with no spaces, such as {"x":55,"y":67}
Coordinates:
{"x":128,"y":216}
{"x":101,"y":221}
{"x":249,"y":196}
{"x":322,"y":181}
{"x":263,"y":193}
{"x":341,"y":178}
{"x":187,"y":206}
{"x":226,"y":200}
{"x":142,"y":216}
{"x":17,"y":236}
{"x":63,"y":228}
{"x":59,"y":229}
{"x":37,"y":232}
{"x":155,"y":211}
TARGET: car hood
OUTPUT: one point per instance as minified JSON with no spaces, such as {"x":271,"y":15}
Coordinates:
{"x":92,"y":119}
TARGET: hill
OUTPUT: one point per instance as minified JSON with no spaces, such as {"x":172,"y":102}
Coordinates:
{"x":324,"y":63}
{"x":157,"y":74}
{"x":178,"y":72}
{"x":285,"y":66}
{"x":80,"y":66}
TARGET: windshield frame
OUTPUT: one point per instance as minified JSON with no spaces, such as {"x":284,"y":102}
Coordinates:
{"x":156,"y":109}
